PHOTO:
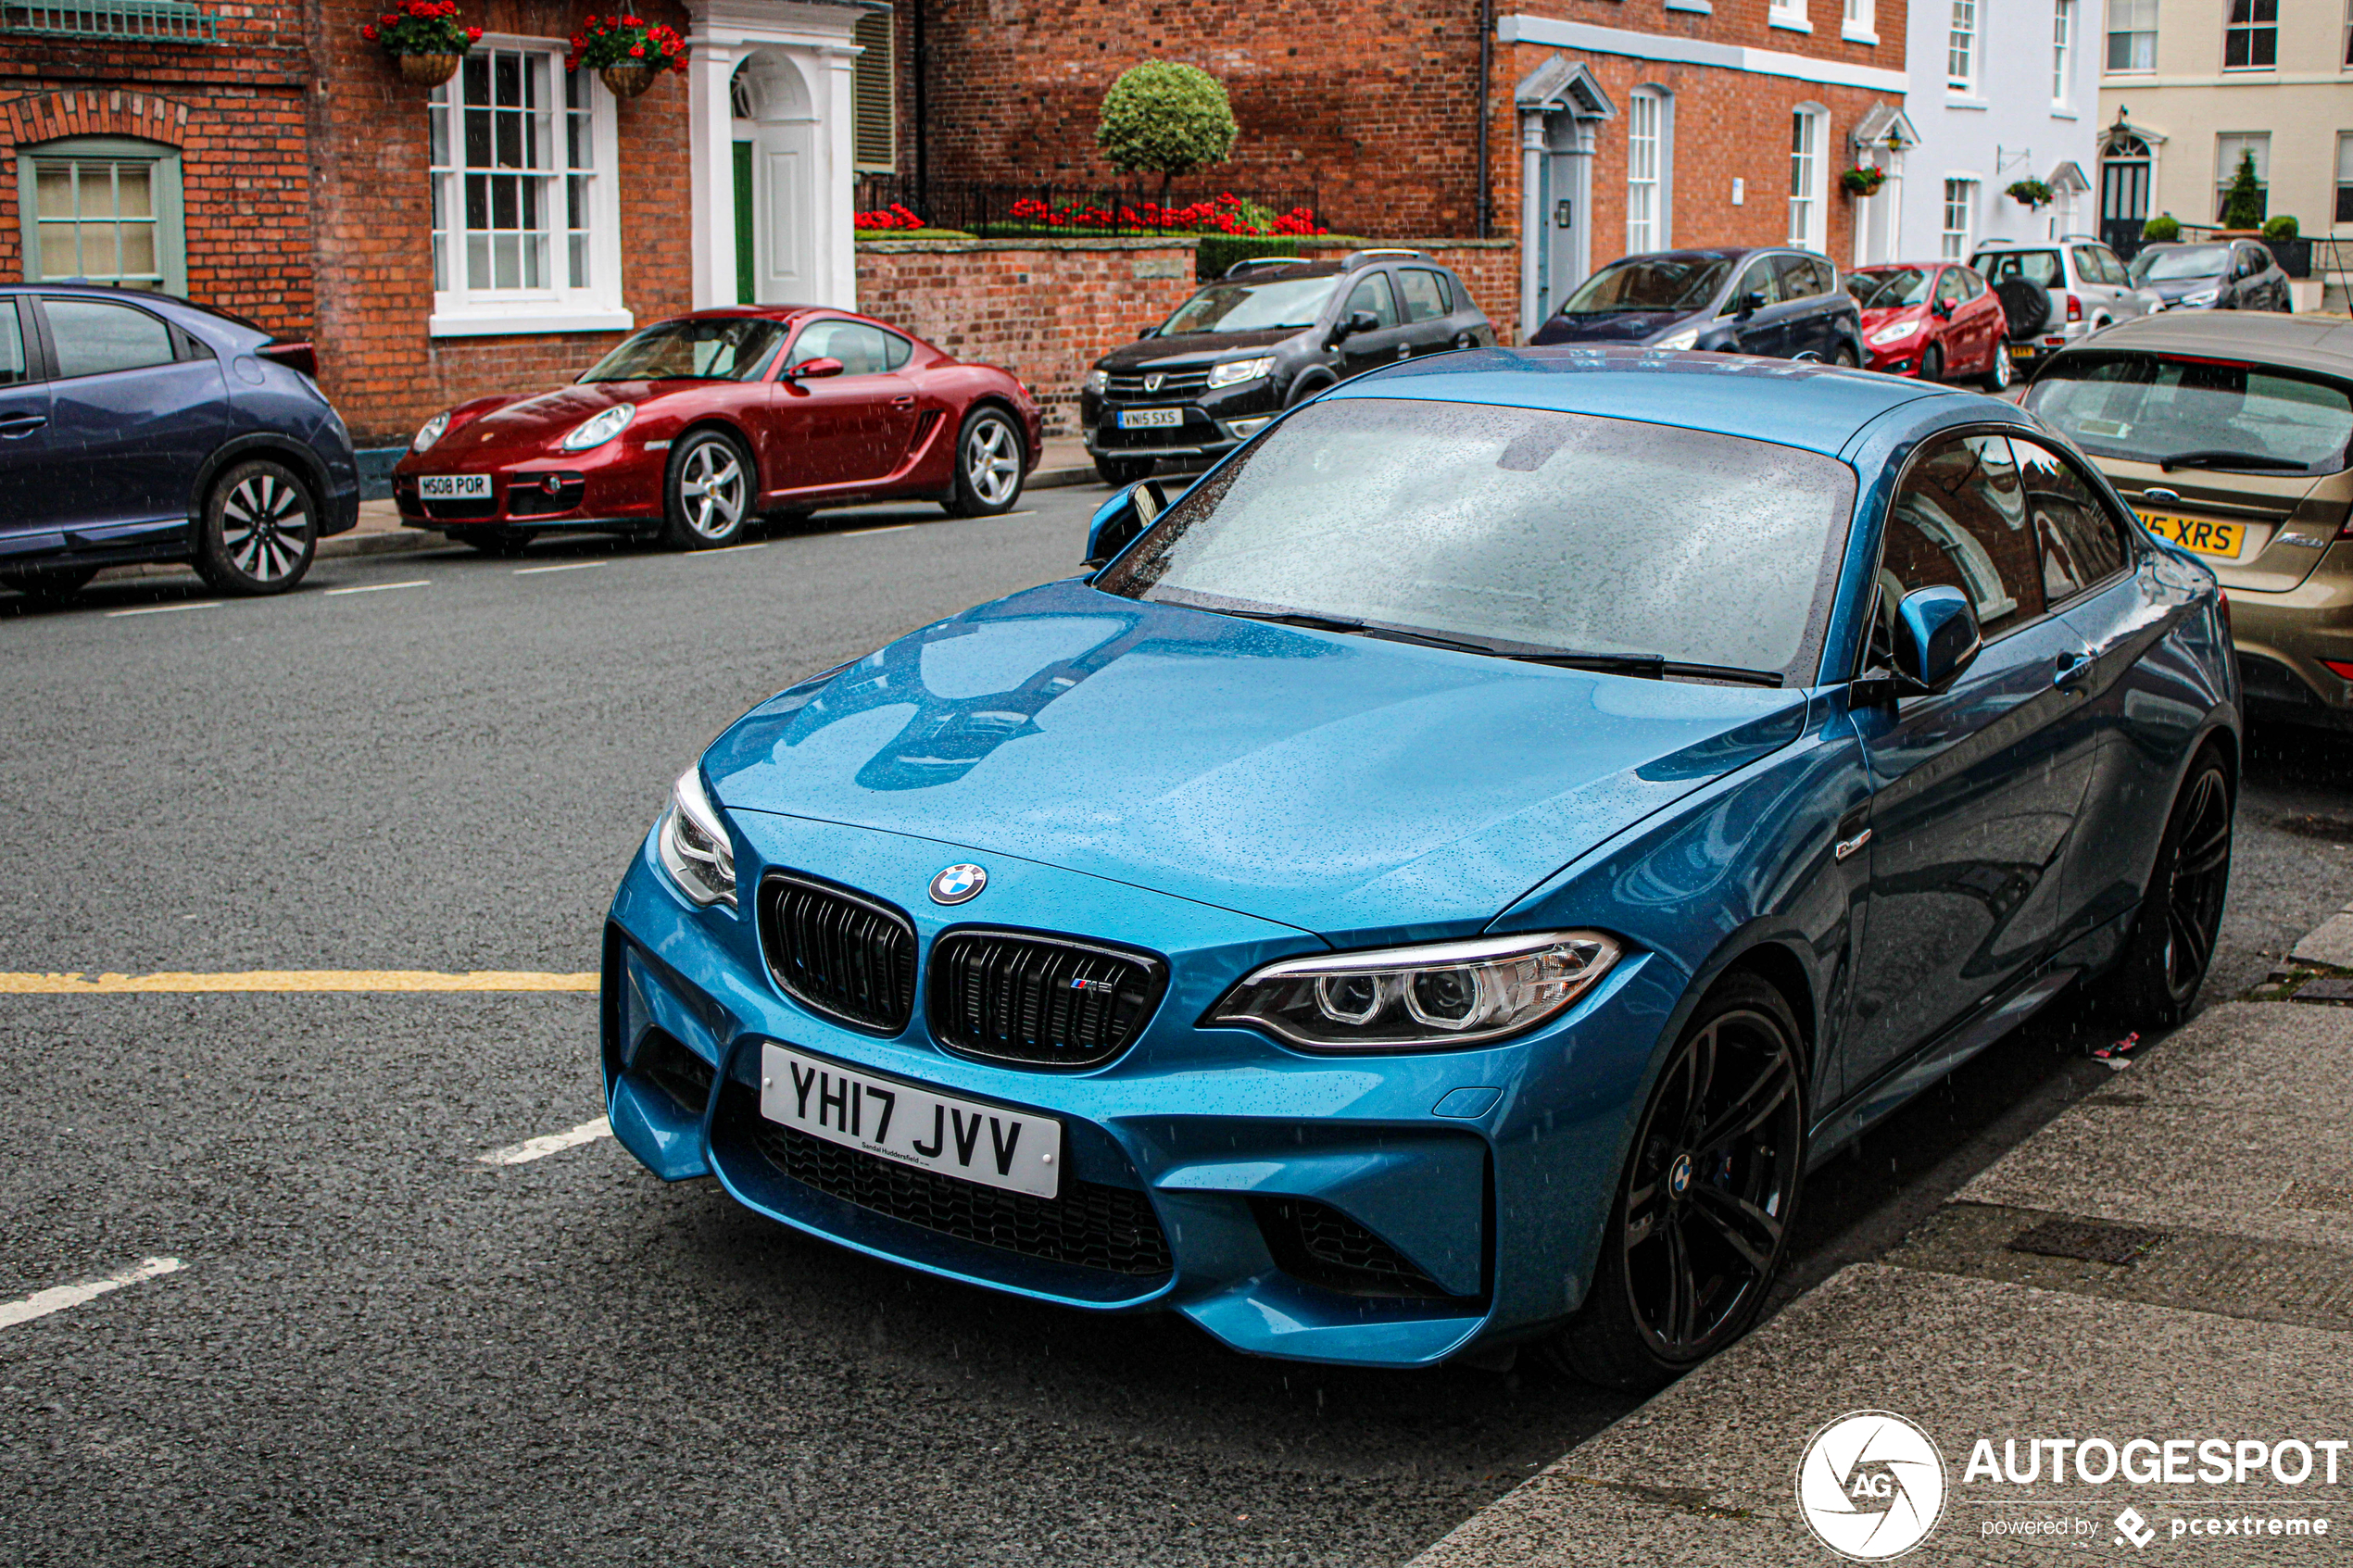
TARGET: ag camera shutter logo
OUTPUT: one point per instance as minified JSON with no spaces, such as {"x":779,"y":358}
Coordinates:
{"x":1872,"y":1485}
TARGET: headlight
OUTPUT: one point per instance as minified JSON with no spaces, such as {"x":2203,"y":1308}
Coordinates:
{"x":2202,"y":296}
{"x":1443,"y":996}
{"x":694,"y":844}
{"x":1097,"y":381}
{"x":599,"y":430}
{"x":1233,"y":372}
{"x":1681,"y":337}
{"x":430,"y":432}
{"x":1895,"y":334}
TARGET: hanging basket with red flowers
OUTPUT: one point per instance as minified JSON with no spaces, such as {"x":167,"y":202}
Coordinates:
{"x":627,"y":51}
{"x":425,"y":37}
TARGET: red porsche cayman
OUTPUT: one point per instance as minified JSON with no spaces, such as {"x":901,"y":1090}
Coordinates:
{"x":695,"y":426}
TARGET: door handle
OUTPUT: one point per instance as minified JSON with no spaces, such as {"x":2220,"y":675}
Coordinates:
{"x":2070,"y":671}
{"x":12,"y":425}
{"x":904,"y":401}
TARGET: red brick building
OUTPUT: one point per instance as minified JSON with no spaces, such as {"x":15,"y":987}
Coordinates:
{"x":1609,"y":125}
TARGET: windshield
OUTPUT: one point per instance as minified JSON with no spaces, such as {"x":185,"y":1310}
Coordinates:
{"x":1897,"y":285}
{"x":1650,"y":282}
{"x":2174,"y":266}
{"x":2145,"y":408}
{"x":731,"y":348}
{"x":1519,"y":525}
{"x":1242,"y":306}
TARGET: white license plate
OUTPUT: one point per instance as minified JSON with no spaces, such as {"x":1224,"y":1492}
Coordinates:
{"x":889,"y":1117}
{"x":454,"y":488}
{"x":1150,"y":419}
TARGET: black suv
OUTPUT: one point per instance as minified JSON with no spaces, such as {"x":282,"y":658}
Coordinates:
{"x":1780,"y":303}
{"x":1268,"y":334}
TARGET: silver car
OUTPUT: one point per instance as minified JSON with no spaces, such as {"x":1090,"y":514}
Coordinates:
{"x":2084,"y":288}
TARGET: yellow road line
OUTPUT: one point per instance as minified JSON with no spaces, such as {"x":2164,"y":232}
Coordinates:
{"x":295,"y":980}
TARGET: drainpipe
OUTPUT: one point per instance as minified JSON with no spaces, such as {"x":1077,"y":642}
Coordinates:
{"x":923,"y":115}
{"x":1486,"y":70}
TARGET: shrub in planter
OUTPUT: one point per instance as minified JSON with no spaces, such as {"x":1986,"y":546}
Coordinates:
{"x":627,"y":51}
{"x":425,"y":37}
{"x":2283,"y":227}
{"x":2164,"y":229}
{"x":2032,"y":194}
{"x":1864,"y":180}
{"x":1165,"y":119}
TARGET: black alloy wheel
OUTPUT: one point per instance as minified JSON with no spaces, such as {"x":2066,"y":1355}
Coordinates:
{"x":502,"y":543}
{"x":1932,"y":363}
{"x":259,"y":530}
{"x":989,"y":465}
{"x":2173,"y":942}
{"x":1119,"y":472}
{"x":53,"y":586}
{"x":1704,"y":1211}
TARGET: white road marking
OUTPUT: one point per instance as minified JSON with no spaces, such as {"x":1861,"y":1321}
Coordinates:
{"x":554,"y":1143}
{"x":862,"y":533}
{"x":41,"y":1303}
{"x":166,"y":610}
{"x":729,"y":550}
{"x":568,"y":566}
{"x":379,"y":587}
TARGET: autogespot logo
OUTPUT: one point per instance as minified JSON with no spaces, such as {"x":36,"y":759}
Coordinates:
{"x":1872,"y":1485}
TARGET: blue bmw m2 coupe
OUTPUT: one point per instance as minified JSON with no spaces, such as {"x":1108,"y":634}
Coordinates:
{"x":1441,"y":883}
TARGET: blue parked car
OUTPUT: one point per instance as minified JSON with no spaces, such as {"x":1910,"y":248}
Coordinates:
{"x":138,"y":427}
{"x":1445,"y":880}
{"x":1781,"y":302}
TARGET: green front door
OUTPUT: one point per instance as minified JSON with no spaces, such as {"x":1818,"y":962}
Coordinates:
{"x":743,"y":223}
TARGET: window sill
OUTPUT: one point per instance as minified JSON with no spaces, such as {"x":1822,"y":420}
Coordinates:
{"x":1700,"y":7}
{"x":1789,"y":24}
{"x":527,"y":320}
{"x":1959,"y":101}
{"x":1857,"y":35}
{"x":2060,"y":111}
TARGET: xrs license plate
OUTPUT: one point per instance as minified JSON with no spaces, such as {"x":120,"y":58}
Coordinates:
{"x":1017,"y":1150}
{"x":2196,"y":534}
{"x":1150,"y":419}
{"x":454,"y":488}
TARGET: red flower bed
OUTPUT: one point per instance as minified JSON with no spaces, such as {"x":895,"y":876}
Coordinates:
{"x":1228,"y":214}
{"x":895,"y":216}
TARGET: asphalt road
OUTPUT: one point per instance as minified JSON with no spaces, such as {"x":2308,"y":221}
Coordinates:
{"x":381,"y":1350}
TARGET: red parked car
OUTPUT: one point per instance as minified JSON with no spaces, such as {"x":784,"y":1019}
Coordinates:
{"x":695,"y":426}
{"x":1934,"y":320}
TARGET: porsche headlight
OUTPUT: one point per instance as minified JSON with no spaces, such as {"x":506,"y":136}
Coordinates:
{"x":1438,"y":997}
{"x":694,"y":844}
{"x":430,"y":432}
{"x":1097,"y":380}
{"x":1681,"y":337}
{"x":596,"y":431}
{"x":1233,"y":372}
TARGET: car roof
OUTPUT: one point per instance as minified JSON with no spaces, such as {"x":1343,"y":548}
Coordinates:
{"x":1816,"y":407}
{"x":2310,"y":341}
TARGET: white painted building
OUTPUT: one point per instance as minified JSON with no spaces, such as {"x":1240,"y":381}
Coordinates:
{"x":2001,"y":91}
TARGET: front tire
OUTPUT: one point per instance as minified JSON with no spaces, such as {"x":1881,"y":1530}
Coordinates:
{"x":706,"y":493}
{"x":1932,"y":363}
{"x":2171,"y":946}
{"x":1703,"y":1209}
{"x":1843,"y":358}
{"x":989,"y":465}
{"x":1118,"y":473}
{"x":259,"y":530}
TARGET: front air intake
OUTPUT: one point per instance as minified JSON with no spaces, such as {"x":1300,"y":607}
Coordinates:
{"x":839,"y":953}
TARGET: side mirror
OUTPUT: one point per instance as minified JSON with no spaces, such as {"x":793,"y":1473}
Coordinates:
{"x":814,"y":369}
{"x":1748,"y":304}
{"x":1942,"y":310}
{"x":1118,"y":520}
{"x":1357,"y":321}
{"x":1936,"y":639}
{"x":1148,"y":331}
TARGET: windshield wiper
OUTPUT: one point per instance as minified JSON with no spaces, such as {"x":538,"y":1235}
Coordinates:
{"x":1654,"y":665}
{"x":2206,"y":460}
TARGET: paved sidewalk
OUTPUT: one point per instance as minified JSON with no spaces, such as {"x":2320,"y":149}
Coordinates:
{"x":2215,"y":1178}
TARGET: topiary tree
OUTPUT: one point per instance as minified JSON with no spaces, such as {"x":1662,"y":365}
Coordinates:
{"x":1165,"y":119}
{"x":2281,"y":227}
{"x":2164,"y":229}
{"x":2243,"y":203}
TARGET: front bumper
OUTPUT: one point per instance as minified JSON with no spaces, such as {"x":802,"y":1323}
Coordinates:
{"x":1497,"y":1201}
{"x":1214,"y":422}
{"x":614,"y":486}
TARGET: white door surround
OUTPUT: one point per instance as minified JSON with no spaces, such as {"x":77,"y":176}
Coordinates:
{"x":1560,"y":104}
{"x":797,"y":59}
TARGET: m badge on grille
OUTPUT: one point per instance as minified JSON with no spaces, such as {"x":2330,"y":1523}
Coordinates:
{"x":958,"y":884}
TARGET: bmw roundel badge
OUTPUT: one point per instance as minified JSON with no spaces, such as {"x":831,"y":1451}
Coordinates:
{"x":958,"y":884}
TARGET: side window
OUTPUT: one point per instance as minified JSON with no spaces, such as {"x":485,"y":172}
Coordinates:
{"x":1795,"y":274}
{"x":2112,"y":269}
{"x":1825,"y":277}
{"x":1949,"y":286}
{"x":1971,"y":284}
{"x":1758,"y":279}
{"x":2087,"y":265}
{"x":1425,"y":294}
{"x":863,"y":350}
{"x":2077,"y":536}
{"x":13,"y":368}
{"x":1372,"y":293}
{"x":1960,"y":520}
{"x":93,"y":337}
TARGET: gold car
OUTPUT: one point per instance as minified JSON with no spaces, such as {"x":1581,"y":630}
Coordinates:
{"x":2229,"y":432}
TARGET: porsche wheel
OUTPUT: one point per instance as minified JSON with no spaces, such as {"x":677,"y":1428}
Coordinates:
{"x":706,"y":493}
{"x":258,"y":531}
{"x":989,"y":465}
{"x":1703,"y":1209}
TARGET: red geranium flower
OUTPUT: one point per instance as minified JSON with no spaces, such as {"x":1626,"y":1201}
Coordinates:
{"x":368,"y":32}
{"x":474,"y":35}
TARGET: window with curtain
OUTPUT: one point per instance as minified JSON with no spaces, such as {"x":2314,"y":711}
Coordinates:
{"x":1961,"y":206}
{"x":2132,"y":35}
{"x":104,"y":209}
{"x":1643,"y":230}
{"x":1805,"y":179}
{"x":1961,"y":48}
{"x":1861,"y":19}
{"x":2062,"y":46}
{"x":2251,"y":37}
